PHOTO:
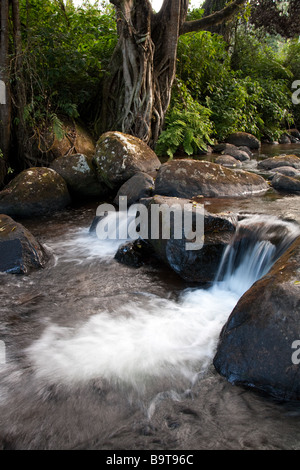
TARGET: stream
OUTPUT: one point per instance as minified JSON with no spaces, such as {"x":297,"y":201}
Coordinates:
{"x":103,"y":356}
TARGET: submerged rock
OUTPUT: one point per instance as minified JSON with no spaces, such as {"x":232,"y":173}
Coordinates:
{"x":194,"y":265}
{"x":120,"y":156}
{"x":20,"y":252}
{"x":80,"y":175}
{"x":34,"y":192}
{"x":243,"y":139}
{"x":281,"y":160}
{"x":256,"y":345}
{"x":190,"y":178}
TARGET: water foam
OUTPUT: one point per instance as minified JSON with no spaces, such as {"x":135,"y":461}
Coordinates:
{"x":156,"y":337}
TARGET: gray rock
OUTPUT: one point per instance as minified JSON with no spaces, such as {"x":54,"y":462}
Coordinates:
{"x":286,"y":183}
{"x":138,"y":186}
{"x":237,"y":154}
{"x":243,"y":138}
{"x":199,"y":265}
{"x":120,"y":156}
{"x":286,"y":170}
{"x":280,"y":160}
{"x":256,"y":344}
{"x":79,"y":174}
{"x":228,"y":161}
{"x":191,"y":178}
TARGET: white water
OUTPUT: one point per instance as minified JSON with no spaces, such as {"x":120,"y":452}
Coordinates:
{"x":149,"y":339}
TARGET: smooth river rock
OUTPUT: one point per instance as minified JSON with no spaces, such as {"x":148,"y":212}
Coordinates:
{"x":190,"y":178}
{"x":281,"y":160}
{"x":257,"y":346}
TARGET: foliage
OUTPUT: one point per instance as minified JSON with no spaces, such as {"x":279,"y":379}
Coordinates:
{"x":188,"y":125}
{"x":66,"y":53}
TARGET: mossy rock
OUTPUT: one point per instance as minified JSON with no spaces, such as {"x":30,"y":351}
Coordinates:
{"x":120,"y":156}
{"x":80,"y":175}
{"x":191,"y":178}
{"x":34,"y":192}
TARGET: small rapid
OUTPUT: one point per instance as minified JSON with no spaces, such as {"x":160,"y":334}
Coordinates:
{"x":155,"y":337}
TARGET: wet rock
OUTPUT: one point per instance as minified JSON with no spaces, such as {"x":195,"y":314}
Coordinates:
{"x":190,"y":178}
{"x":198,"y":265}
{"x":120,"y":156}
{"x":286,"y":183}
{"x":80,"y":175}
{"x":138,"y":186}
{"x":280,"y":160}
{"x":256,"y":344}
{"x":223,"y":147}
{"x":20,"y":252}
{"x":34,"y":192}
{"x":246,"y":149}
{"x":135,"y":253}
{"x":228,"y":161}
{"x":243,"y":138}
{"x":237,"y":154}
{"x":286,"y":170}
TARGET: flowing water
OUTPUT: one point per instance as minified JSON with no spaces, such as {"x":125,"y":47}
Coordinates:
{"x":104,"y":356}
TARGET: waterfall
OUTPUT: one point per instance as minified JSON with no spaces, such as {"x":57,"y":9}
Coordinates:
{"x":258,"y":242}
{"x":151,"y":337}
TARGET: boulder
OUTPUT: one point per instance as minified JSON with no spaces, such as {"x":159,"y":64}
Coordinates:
{"x":190,"y":178}
{"x":286,"y":170}
{"x":193,"y":265}
{"x":256,"y":345}
{"x":20,"y":252}
{"x":243,"y":138}
{"x":34,"y":192}
{"x":246,"y":149}
{"x":294,"y":133}
{"x":138,"y":186}
{"x":237,"y":154}
{"x":135,"y":253}
{"x":76,"y":139}
{"x":222,"y":147}
{"x":286,"y":183}
{"x":120,"y":156}
{"x":228,"y":161}
{"x":284,"y":139}
{"x":280,"y":160}
{"x":80,"y":175}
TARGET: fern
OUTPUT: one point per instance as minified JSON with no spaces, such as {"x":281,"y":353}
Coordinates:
{"x":188,"y":126}
{"x":57,"y":127}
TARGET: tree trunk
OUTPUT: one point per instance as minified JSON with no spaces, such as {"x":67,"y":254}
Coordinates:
{"x":19,"y":90}
{"x":138,"y":90}
{"x":5,"y":107}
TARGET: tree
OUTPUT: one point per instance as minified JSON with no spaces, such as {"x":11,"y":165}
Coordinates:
{"x":5,"y":108}
{"x":281,"y":17}
{"x":138,"y":90}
